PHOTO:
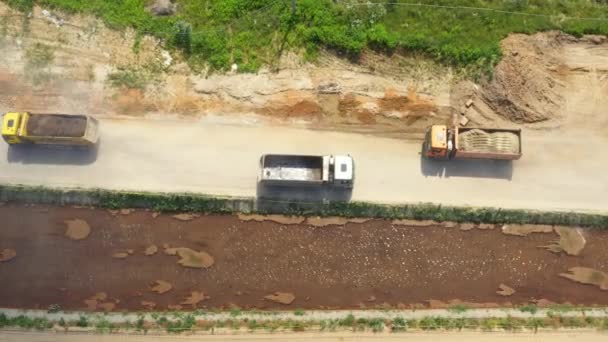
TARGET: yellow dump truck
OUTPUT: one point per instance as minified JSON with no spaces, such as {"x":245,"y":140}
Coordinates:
{"x":49,"y":129}
{"x":445,"y":143}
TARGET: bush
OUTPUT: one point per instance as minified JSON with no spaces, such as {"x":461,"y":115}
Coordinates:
{"x":128,"y":78}
{"x":529,"y":308}
{"x":398,"y":324}
{"x":348,"y":321}
{"x":82,"y":322}
{"x":376,"y":324}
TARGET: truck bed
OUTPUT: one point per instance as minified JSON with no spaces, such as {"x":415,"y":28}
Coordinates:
{"x":56,"y":125}
{"x":292,"y":168}
{"x":488,"y":143}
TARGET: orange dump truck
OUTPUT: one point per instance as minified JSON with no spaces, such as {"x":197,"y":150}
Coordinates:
{"x":445,"y":143}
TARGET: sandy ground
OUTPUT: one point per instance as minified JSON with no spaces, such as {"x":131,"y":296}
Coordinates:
{"x":565,"y":336}
{"x":129,"y":260}
{"x":557,"y":171}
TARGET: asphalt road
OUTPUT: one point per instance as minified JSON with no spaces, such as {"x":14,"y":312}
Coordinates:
{"x":557,"y":171}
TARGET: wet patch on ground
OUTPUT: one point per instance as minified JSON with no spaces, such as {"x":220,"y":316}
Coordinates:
{"x":585,"y":275}
{"x":77,"y":229}
{"x":281,"y":297}
{"x":191,"y":258}
{"x":571,"y":241}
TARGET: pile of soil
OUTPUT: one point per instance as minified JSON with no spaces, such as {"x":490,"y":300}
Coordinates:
{"x":57,"y":125}
{"x":524,"y":89}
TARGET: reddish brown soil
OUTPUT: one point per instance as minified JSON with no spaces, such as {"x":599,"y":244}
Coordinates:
{"x":57,"y":125}
{"x":329,"y":267}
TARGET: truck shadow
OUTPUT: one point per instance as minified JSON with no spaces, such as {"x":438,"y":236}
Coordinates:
{"x":42,"y":154}
{"x":280,"y":198}
{"x":472,"y":168}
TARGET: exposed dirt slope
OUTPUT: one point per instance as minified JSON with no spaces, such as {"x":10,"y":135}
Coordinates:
{"x":544,"y":80}
{"x":380,"y":93}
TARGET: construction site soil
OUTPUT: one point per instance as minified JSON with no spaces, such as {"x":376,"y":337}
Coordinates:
{"x":57,"y":125}
{"x":81,"y":258}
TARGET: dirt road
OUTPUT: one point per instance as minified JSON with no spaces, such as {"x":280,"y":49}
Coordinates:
{"x":590,"y":336}
{"x":84,"y":258}
{"x":557,"y":171}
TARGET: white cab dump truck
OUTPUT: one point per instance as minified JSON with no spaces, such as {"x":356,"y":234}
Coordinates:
{"x":49,"y":129}
{"x":296,"y":170}
{"x":446,"y":143}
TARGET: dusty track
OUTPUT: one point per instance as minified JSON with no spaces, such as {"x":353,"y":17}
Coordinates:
{"x":371,"y":264}
{"x":559,"y":171}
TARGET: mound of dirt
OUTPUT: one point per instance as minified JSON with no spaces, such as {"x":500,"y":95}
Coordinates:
{"x":523,"y":88}
{"x":57,"y":125}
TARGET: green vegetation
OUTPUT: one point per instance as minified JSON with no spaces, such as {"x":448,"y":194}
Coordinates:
{"x":22,"y":5}
{"x":168,"y":202}
{"x":252,"y":33}
{"x":529,"y":308}
{"x":188,"y":323}
{"x":82,"y":322}
{"x":185,"y":324}
{"x":38,"y":59}
{"x":128,"y":79}
{"x":299,"y":312}
{"x":458,"y":308}
{"x":25,"y":322}
{"x":398,"y":325}
{"x":39,"y":56}
{"x":104,"y":326}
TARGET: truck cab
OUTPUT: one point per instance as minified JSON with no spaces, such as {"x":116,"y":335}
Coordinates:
{"x":343,"y":171}
{"x":437,"y":142}
{"x":10,"y":127}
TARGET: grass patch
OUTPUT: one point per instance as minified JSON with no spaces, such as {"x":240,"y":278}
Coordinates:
{"x":25,"y":322}
{"x":21,"y":5}
{"x":458,"y":308}
{"x":82,"y":322}
{"x":532,"y":309}
{"x":398,"y":324}
{"x":226,"y":205}
{"x":187,"y":323}
{"x":347,"y":321}
{"x":128,"y":78}
{"x":38,"y":59}
{"x":179,"y":325}
{"x":299,"y":312}
{"x":252,"y":33}
{"x":104,"y":326}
